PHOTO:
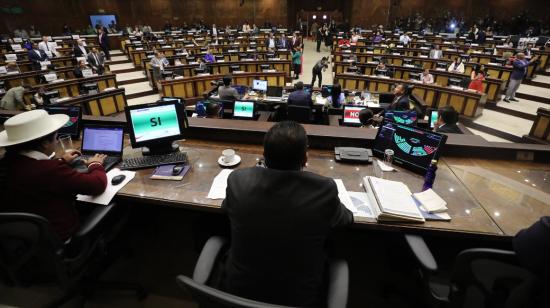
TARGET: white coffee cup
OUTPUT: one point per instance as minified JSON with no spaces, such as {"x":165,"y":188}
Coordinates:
{"x":228,"y":155}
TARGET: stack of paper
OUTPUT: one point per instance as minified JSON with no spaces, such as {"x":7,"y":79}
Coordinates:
{"x":219,"y":185}
{"x":432,"y":206}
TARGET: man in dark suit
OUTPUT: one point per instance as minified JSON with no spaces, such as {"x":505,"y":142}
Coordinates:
{"x":283,"y":42}
{"x":401,"y":99}
{"x":36,"y":56}
{"x":103,"y":42}
{"x":96,"y":61}
{"x":299,"y":97}
{"x":280,"y":219}
{"x":78,"y":70}
{"x":271,"y":42}
{"x":79,"y":49}
{"x":446,"y":123}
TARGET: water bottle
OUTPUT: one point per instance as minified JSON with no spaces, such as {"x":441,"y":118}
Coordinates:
{"x":429,"y":178}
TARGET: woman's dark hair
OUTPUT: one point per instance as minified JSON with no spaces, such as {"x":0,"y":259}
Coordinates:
{"x":30,"y":145}
{"x":285,"y":146}
{"x":336,"y":91}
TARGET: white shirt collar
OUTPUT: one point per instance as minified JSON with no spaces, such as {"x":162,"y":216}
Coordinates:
{"x":35,"y":155}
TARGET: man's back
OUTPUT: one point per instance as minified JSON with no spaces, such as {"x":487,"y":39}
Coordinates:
{"x":228,"y":92}
{"x":299,"y":98}
{"x":279,"y":224}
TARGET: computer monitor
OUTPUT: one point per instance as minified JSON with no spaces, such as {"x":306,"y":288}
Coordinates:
{"x":414,"y":148}
{"x":199,"y":71}
{"x":264,"y":67}
{"x":414,"y":76}
{"x":72,"y":127}
{"x":408,"y":61}
{"x":434,"y":115}
{"x":326,"y":90}
{"x":243,"y":110}
{"x":259,"y":85}
{"x":377,"y":59}
{"x":351,"y":115}
{"x":270,"y":55}
{"x":441,"y":65}
{"x":352,"y":69}
{"x":156,"y":125}
{"x":219,"y":58}
{"x":501,"y":61}
{"x":385,"y":98}
{"x":274,"y":91}
{"x":90,"y":88}
{"x":191,"y":59}
{"x":488,"y":50}
{"x":50,"y":97}
{"x":402,"y":117}
{"x":455,"y":82}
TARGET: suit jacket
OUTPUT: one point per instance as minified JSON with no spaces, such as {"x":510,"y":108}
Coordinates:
{"x":103,"y":41}
{"x":78,"y":72}
{"x":449,"y":129}
{"x":92,"y":61}
{"x":280,"y":221}
{"x":274,"y":42}
{"x":283,"y":44}
{"x":300,"y":98}
{"x":401,"y":104}
{"x":78,"y":52}
{"x":36,"y":59}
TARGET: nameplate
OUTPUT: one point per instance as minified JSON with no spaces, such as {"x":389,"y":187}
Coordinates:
{"x":11,"y":57}
{"x":440,"y":69}
{"x":17,"y":40}
{"x":346,"y":51}
{"x":166,"y":46}
{"x":193,"y":62}
{"x":16,"y":47}
{"x":3,"y":70}
{"x":139,"y":48}
{"x":283,"y":49}
{"x":220,"y":61}
{"x":422,"y":56}
{"x":425,"y":48}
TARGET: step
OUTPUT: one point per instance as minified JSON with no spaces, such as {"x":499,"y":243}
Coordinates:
{"x":542,"y":79}
{"x":488,"y":137}
{"x":504,"y":123}
{"x":138,"y":87}
{"x":120,"y":58}
{"x":143,"y":99}
{"x":121,"y":67}
{"x":129,"y":76}
{"x":524,"y":106}
{"x":115,"y":52}
{"x":534,"y":93}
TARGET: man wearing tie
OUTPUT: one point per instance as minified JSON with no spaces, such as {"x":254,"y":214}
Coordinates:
{"x":36,"y":56}
{"x":79,"y":49}
{"x":96,"y":61}
{"x":47,"y":47}
{"x":103,"y":42}
{"x":283,"y":42}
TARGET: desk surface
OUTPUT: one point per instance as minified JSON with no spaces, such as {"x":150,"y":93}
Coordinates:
{"x":485,"y":198}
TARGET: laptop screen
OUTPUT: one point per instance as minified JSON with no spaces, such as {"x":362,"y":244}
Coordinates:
{"x":243,"y":110}
{"x":102,"y":139}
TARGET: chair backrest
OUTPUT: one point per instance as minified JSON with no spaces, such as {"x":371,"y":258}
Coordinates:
{"x":300,"y":114}
{"x":209,"y":297}
{"x":484,"y":275}
{"x":29,"y":250}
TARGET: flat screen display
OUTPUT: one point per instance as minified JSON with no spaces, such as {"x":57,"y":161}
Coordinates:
{"x":413,"y":147}
{"x":259,"y":85}
{"x":434,"y":115}
{"x":102,"y":139}
{"x":72,"y":127}
{"x":102,"y":20}
{"x":351,"y":114}
{"x":402,"y":117}
{"x":243,"y":110}
{"x":150,"y":123}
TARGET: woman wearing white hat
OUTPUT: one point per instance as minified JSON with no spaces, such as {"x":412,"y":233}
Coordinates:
{"x":36,"y":184}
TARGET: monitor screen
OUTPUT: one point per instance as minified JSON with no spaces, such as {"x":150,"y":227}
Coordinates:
{"x":414,"y":148}
{"x":402,"y":117}
{"x":434,"y":115}
{"x":102,"y":20}
{"x":351,"y":114}
{"x":72,"y":127}
{"x":243,"y":110}
{"x":274,"y":91}
{"x":102,"y":139}
{"x":154,"y":122}
{"x":259,"y":85}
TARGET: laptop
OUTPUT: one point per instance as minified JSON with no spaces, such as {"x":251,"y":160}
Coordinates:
{"x":274,"y":93}
{"x":101,"y":139}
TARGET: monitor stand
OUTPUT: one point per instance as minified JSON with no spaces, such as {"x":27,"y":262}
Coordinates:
{"x":160,"y":149}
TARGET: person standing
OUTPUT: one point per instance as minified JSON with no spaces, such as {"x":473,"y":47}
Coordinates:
{"x":297,"y":62}
{"x":96,"y":61}
{"x":318,"y":69}
{"x":519,"y":71}
{"x":104,"y":42}
{"x":319,"y":38}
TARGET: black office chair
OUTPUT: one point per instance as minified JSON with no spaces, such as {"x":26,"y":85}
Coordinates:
{"x":32,"y":253}
{"x":480,"y":277}
{"x":206,"y":296}
{"x":300,"y":114}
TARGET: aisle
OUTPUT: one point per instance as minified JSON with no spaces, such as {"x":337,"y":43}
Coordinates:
{"x":310,"y":58}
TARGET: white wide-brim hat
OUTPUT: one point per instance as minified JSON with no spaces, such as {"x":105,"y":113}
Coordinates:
{"x":30,"y":125}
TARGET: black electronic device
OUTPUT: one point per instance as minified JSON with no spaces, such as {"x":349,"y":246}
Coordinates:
{"x":441,"y":65}
{"x":402,"y":117}
{"x":353,"y":155}
{"x":219,"y":58}
{"x":234,"y":68}
{"x":264,"y":67}
{"x":455,"y":82}
{"x":199,"y":71}
{"x":408,"y":61}
{"x":381,"y":72}
{"x":352,"y":69}
{"x":274,"y":91}
{"x":50,"y":97}
{"x":90,"y":88}
{"x":72,"y":127}
{"x":415,"y":76}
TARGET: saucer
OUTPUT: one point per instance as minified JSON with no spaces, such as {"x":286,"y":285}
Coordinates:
{"x":236,"y":161}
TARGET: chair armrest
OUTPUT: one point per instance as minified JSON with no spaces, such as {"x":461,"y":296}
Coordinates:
{"x":207,"y":259}
{"x":337,"y":296}
{"x":422,"y":252}
{"x":93,"y":220}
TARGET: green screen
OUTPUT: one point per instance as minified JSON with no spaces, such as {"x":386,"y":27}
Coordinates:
{"x":244,"y":109}
{"x":155,"y":122}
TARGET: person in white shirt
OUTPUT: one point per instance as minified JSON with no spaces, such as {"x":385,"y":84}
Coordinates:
{"x":246,"y":27}
{"x":214,"y":30}
{"x":427,"y":78}
{"x":270,"y":42}
{"x":80,"y":50}
{"x":405,"y":39}
{"x":457,"y":66}
{"x":355,"y":37}
{"x":436,"y":53}
{"x":47,"y":47}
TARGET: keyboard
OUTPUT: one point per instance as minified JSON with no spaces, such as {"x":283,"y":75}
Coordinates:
{"x":152,"y":161}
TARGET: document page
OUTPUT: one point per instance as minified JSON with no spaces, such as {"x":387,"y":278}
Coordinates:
{"x":219,"y":185}
{"x":111,"y":190}
{"x":394,"y":197}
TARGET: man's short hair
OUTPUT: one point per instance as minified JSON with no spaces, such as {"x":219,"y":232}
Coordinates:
{"x":299,"y":85}
{"x":285,"y":146}
{"x":365,"y":116}
{"x":213,"y":110}
{"x":227,"y":80}
{"x":449,"y":115}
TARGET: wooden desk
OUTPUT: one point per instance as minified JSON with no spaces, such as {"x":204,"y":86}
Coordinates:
{"x":467,"y":103}
{"x":104,"y":103}
{"x":474,"y":208}
{"x":31,"y":77}
{"x":194,"y":88}
{"x":540,"y":131}
{"x":26,"y":65}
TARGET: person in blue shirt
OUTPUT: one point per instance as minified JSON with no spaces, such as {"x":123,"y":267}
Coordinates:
{"x":519,"y":71}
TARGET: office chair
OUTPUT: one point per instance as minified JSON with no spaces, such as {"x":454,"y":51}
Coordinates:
{"x":32,"y":253}
{"x":480,"y":277}
{"x":300,"y":114}
{"x":206,"y":296}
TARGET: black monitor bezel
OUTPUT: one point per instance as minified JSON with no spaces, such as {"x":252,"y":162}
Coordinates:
{"x":344,"y":123}
{"x":75,"y":136}
{"x":244,"y":118}
{"x":180,"y":111}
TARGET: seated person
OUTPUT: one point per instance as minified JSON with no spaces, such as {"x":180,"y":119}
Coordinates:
{"x":381,"y":66}
{"x":213,"y":110}
{"x":38,"y":184}
{"x":299,"y":97}
{"x":337,"y":97}
{"x":366,"y":117}
{"x":202,"y":65}
{"x":227,"y":91}
{"x":208,"y":57}
{"x":446,"y":122}
{"x":281,"y":260}
{"x":78,"y":70}
{"x":399,"y":103}
{"x":457,"y":66}
{"x":427,"y":78}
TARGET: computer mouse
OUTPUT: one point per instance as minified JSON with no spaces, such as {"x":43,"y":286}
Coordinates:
{"x":177,"y":169}
{"x":118,"y":179}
